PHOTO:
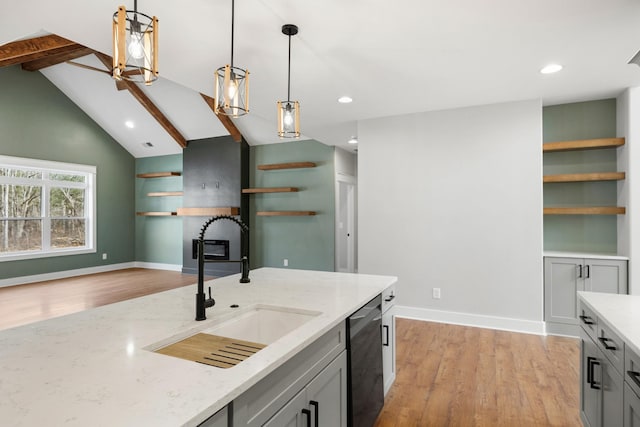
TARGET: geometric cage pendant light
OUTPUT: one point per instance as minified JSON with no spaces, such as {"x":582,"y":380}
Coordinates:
{"x":231,"y":85}
{"x":289,"y":111}
{"x":135,"y":46}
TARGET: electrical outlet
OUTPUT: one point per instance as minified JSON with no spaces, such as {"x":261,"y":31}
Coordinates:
{"x":286,"y":262}
{"x":104,"y":256}
{"x":436,"y":293}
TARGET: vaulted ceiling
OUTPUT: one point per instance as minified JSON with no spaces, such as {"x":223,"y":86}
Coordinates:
{"x":392,"y":58}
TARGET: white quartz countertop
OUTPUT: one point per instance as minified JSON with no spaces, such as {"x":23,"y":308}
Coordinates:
{"x":620,"y":312}
{"x":91,"y":368}
{"x":584,"y":255}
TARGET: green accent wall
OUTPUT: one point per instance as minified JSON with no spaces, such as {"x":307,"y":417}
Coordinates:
{"x":580,"y":233}
{"x":306,"y":241}
{"x":159,"y":239}
{"x":40,"y":122}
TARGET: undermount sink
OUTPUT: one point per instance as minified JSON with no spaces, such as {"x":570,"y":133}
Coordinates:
{"x":228,"y":343}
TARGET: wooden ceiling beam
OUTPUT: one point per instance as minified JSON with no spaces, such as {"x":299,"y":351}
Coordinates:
{"x":225,"y":120}
{"x":34,"y":49}
{"x":147,"y":103}
{"x":51,"y":60}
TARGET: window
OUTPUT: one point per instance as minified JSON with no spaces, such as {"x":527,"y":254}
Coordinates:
{"x":46,"y":208}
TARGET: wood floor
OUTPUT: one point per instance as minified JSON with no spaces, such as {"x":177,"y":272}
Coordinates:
{"x":451,"y":375}
{"x":447,"y":375}
{"x":29,"y":303}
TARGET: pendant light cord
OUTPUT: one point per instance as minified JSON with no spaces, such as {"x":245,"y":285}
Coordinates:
{"x":232,"y":25}
{"x":289,"y":73}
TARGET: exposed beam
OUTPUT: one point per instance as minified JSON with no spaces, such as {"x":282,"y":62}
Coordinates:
{"x":34,"y":49}
{"x":51,"y":60}
{"x":108,"y":62}
{"x":144,"y":100}
{"x":225,"y":120}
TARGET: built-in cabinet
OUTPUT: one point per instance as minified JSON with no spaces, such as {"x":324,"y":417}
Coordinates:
{"x":388,"y":338}
{"x":565,"y":276}
{"x":609,"y":375}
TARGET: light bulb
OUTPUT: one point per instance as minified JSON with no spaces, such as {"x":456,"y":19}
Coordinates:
{"x":288,"y":116}
{"x":232,"y":88}
{"x":136,"y":48}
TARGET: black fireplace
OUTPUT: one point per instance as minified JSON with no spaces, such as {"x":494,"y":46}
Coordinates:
{"x":213,"y":249}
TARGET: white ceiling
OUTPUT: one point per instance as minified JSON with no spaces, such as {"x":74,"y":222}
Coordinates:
{"x":392,"y":57}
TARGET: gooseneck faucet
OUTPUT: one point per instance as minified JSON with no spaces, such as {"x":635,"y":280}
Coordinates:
{"x":202,"y":302}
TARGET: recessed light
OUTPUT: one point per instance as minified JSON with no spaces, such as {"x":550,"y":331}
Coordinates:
{"x":345,"y":99}
{"x":551,"y":68}
{"x":353,"y":140}
{"x":129,"y":124}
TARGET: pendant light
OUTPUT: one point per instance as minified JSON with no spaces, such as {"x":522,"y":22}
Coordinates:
{"x":232,"y":85}
{"x":289,"y":111}
{"x":135,"y":46}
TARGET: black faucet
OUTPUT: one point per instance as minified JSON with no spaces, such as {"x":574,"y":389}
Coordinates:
{"x":202,"y":302}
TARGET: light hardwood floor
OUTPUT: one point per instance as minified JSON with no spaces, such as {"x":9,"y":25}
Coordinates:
{"x":447,"y":375}
{"x":450,"y":375}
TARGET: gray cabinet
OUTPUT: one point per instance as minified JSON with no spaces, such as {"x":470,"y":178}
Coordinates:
{"x":631,"y":407}
{"x":564,"y":277}
{"x":388,"y":338}
{"x":219,"y":419}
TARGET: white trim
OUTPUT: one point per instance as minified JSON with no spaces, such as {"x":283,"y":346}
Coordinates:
{"x":22,"y":280}
{"x":47,"y":164}
{"x":475,"y":320}
{"x":158,"y":266}
{"x":15,"y":256}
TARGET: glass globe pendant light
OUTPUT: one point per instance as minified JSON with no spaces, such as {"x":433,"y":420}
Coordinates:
{"x":289,"y":111}
{"x":135,"y":46}
{"x":231,"y":85}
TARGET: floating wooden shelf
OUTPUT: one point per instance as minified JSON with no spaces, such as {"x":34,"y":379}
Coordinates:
{"x":158,"y":174}
{"x":156,"y":213}
{"x":285,"y":213}
{"x":294,"y":165}
{"x":208,"y":211}
{"x":164,"y":193}
{"x":586,"y":210}
{"x":269,"y":190}
{"x":583,"y":177}
{"x":582,"y":144}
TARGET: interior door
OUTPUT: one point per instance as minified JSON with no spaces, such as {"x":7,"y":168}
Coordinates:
{"x":345,"y":227}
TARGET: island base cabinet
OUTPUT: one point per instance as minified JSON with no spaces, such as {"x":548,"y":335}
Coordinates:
{"x":219,"y":419}
{"x":388,"y":348}
{"x":322,"y":403}
{"x":631,"y":407}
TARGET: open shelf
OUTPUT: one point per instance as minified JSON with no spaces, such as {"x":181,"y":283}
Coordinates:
{"x":293,"y":165}
{"x":285,"y":213}
{"x":156,"y":213}
{"x":233,"y":211}
{"x":586,"y":210}
{"x":269,"y":190}
{"x":583,"y":177}
{"x":164,"y":193}
{"x":582,"y":144}
{"x":158,"y":174}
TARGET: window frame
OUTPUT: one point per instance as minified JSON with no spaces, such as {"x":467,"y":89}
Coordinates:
{"x":90,"y":211}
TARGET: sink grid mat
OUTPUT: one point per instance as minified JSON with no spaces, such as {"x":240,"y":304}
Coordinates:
{"x":214,"y":350}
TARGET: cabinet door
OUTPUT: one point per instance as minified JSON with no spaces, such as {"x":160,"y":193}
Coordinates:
{"x":327,"y":395}
{"x":388,"y":349}
{"x":612,"y":394}
{"x":219,"y":419}
{"x":291,"y":414}
{"x":604,"y":275}
{"x":631,"y":408}
{"x":562,"y":280}
{"x":590,"y":409}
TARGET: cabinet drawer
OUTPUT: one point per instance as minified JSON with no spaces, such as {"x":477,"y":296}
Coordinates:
{"x":611,"y":345}
{"x":588,"y":320}
{"x":388,"y":298}
{"x":631,"y":408}
{"x":632,"y":369}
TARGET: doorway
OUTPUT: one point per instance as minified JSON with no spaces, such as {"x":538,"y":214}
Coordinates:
{"x":346,"y":224}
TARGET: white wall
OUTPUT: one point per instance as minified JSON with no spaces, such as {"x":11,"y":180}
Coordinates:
{"x":453,"y":199}
{"x":628,"y":110}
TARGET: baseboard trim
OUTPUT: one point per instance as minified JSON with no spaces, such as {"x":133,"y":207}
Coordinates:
{"x":23,"y":280}
{"x":475,"y":320}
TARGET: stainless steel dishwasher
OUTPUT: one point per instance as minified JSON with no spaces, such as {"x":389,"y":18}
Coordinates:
{"x":365,"y":391}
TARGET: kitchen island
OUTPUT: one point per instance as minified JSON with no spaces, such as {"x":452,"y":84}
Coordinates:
{"x":97,"y":367}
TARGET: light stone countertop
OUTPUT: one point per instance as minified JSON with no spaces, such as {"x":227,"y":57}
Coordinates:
{"x":584,"y":255}
{"x":91,"y":368}
{"x":620,"y":312}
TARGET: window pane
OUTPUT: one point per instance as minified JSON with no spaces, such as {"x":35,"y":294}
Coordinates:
{"x":67,"y":233}
{"x":20,"y":235}
{"x":20,"y":173}
{"x":67,"y":177}
{"x":22,"y":201}
{"x":67,"y":202}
